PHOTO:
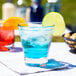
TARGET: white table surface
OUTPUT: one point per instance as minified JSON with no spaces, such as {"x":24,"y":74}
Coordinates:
{"x":57,"y":51}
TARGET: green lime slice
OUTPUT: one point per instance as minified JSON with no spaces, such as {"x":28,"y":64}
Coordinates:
{"x":54,"y":18}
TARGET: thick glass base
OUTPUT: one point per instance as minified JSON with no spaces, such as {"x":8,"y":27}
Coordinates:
{"x":2,"y":48}
{"x":7,"y":47}
{"x":34,"y":62}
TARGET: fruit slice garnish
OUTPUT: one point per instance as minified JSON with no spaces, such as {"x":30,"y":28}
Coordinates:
{"x":54,"y":18}
{"x":12,"y":22}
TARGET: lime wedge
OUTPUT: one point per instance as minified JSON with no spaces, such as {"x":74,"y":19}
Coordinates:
{"x":54,"y":18}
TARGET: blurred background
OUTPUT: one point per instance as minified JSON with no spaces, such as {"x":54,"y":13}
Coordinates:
{"x":66,"y":7}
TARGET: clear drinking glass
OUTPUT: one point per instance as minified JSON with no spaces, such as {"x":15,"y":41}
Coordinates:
{"x":35,"y":41}
{"x":6,"y":37}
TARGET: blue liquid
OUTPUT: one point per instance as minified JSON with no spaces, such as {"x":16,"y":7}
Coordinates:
{"x":34,"y":50}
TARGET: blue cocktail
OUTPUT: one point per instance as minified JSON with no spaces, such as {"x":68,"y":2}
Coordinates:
{"x":35,"y":41}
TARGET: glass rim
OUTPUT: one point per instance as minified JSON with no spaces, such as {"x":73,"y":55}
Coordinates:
{"x":35,"y":28}
{"x":40,"y":23}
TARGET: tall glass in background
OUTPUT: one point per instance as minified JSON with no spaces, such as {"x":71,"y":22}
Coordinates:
{"x":36,"y":41}
{"x":8,"y":9}
{"x":52,"y":6}
{"x":21,"y":8}
{"x":36,"y":11}
{"x":6,"y":37}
